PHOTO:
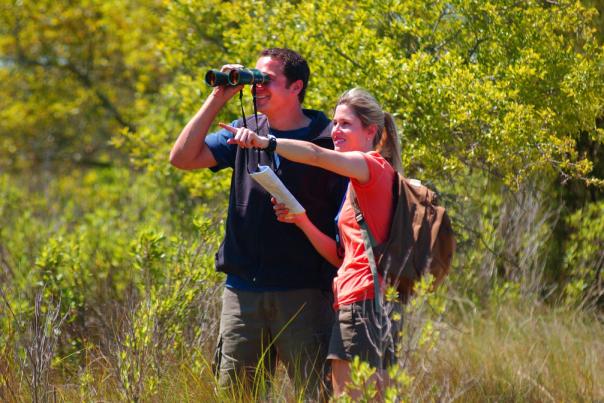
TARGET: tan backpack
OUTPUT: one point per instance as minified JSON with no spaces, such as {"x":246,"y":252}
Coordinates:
{"x":420,"y":240}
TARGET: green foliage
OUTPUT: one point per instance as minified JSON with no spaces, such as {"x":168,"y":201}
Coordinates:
{"x":504,"y":86}
{"x":159,"y":327}
{"x":599,"y":19}
{"x":361,"y":375}
{"x":89,"y":240}
{"x":73,"y":74}
{"x":584,"y":259}
{"x":506,"y":240}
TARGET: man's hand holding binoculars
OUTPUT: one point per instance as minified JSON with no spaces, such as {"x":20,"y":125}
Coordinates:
{"x":224,"y":93}
{"x":231,"y":78}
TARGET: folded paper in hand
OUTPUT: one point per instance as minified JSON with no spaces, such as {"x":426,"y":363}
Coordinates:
{"x":272,"y":184}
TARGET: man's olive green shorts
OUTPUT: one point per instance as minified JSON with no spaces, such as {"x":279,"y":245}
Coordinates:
{"x":292,"y":326}
{"x":359,"y":331}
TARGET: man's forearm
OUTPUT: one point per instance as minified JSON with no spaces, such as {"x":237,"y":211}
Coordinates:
{"x":188,"y":151}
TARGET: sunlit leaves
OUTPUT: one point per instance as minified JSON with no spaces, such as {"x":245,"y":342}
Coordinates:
{"x":73,"y":74}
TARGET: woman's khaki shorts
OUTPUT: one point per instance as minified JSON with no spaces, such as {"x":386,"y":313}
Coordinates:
{"x":359,"y":331}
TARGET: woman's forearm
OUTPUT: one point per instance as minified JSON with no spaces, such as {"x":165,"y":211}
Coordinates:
{"x":325,"y":245}
{"x":301,"y":151}
{"x":349,"y":164}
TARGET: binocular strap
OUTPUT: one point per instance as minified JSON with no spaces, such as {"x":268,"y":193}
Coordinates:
{"x":253,"y":102}
{"x":274,"y":158}
{"x":255,"y":106}
{"x":243,"y":111}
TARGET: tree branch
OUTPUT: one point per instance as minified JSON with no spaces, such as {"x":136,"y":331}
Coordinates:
{"x":83,"y":78}
{"x":87,"y":82}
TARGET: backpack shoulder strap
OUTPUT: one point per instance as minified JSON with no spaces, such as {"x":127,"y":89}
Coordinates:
{"x":359,"y":217}
{"x":369,"y":243}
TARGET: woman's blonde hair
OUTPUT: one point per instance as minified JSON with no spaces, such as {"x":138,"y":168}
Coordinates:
{"x":369,"y":112}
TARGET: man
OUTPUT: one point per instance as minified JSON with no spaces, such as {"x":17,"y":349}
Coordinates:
{"x":277,"y":299}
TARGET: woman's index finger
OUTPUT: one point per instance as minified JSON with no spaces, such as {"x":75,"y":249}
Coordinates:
{"x":228,"y":128}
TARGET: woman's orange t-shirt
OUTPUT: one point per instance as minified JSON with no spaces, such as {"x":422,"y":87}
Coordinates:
{"x":354,"y":281}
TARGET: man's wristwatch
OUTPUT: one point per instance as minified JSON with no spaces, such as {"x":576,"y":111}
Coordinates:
{"x":272,"y":143}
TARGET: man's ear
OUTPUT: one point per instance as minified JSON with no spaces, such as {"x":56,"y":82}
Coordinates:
{"x":296,"y":86}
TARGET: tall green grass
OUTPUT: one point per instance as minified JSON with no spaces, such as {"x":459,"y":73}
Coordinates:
{"x":522,"y":353}
{"x":129,"y":265}
{"x":509,"y":354}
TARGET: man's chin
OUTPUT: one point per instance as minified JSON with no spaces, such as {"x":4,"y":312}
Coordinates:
{"x":263,"y":108}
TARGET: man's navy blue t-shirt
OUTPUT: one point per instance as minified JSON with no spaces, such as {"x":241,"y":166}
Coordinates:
{"x":224,"y":154}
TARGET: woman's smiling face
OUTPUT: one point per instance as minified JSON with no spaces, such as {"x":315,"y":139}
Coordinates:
{"x":348,"y":133}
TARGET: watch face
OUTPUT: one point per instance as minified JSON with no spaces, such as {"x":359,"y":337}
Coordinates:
{"x":272,"y":143}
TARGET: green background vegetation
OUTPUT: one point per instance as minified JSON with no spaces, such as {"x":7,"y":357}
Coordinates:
{"x":107,"y":286}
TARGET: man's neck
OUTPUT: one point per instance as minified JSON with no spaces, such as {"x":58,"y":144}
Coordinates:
{"x":289,"y":120}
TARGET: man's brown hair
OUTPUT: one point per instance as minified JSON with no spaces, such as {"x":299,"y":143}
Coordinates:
{"x":294,"y":67}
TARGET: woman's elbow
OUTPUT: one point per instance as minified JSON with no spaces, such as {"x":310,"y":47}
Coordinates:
{"x":336,"y":262}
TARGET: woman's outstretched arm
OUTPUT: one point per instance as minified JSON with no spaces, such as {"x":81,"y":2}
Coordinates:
{"x":350,"y":164}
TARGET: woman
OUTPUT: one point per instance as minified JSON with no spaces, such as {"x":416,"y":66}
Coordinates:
{"x":366,"y":149}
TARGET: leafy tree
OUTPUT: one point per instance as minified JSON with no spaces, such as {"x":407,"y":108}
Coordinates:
{"x":584,"y":258}
{"x":506,"y":87}
{"x":499,"y":89}
{"x":599,"y":20}
{"x":73,"y":74}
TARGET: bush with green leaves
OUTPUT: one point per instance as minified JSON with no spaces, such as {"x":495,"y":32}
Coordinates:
{"x":101,"y":243}
{"x":584,"y":259}
{"x":506,"y":87}
{"x":489,"y":97}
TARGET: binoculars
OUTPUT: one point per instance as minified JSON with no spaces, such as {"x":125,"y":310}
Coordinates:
{"x":215,"y":78}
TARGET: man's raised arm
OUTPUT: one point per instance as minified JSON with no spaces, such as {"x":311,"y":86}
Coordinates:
{"x":189,"y":150}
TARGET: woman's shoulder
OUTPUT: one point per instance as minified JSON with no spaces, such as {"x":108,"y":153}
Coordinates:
{"x":377,"y":161}
{"x":380,"y":170}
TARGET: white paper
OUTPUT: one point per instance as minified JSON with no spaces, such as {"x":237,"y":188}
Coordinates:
{"x":272,"y":184}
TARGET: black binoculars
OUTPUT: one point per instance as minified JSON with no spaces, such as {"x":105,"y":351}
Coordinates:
{"x":215,"y":78}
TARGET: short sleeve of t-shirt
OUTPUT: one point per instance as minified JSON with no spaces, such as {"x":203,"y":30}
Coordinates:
{"x":375,"y":196}
{"x":223,"y":153}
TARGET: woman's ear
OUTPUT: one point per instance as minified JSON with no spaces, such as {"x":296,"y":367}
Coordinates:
{"x":372,"y":131}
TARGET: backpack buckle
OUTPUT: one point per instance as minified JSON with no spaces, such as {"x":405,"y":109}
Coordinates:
{"x":359,"y":217}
